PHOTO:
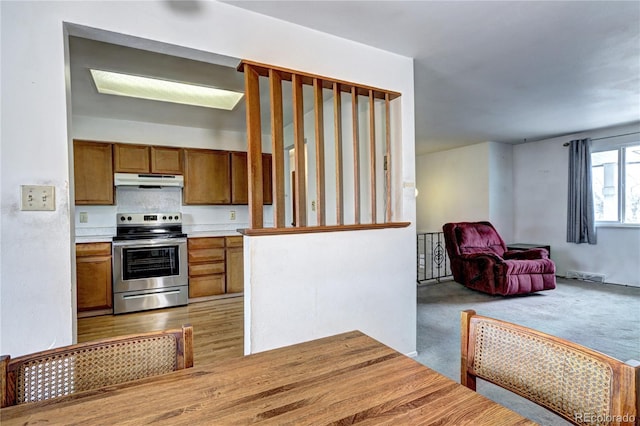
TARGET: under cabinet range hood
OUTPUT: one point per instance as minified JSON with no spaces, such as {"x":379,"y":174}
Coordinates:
{"x":147,"y":180}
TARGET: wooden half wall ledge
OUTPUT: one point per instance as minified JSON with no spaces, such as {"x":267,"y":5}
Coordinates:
{"x":318,"y":229}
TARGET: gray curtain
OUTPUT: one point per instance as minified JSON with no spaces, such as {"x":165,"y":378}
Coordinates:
{"x":581,"y":226}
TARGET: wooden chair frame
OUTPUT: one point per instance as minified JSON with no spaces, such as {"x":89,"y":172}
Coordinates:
{"x":12,"y":369}
{"x":622,"y":394}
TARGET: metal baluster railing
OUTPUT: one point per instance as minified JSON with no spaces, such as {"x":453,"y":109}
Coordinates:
{"x":433,"y":262}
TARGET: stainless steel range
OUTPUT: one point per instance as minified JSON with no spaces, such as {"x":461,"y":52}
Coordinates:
{"x":149,"y":262}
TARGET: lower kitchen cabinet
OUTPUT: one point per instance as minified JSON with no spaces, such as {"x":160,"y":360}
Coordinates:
{"x":93,"y":277}
{"x":234,"y":264}
{"x":216,"y":266}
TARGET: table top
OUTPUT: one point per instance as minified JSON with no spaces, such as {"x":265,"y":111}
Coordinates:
{"x":343,"y":379}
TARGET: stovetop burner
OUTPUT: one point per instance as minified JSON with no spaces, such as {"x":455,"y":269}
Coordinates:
{"x":137,"y":226}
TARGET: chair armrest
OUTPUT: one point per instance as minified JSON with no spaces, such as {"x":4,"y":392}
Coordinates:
{"x":490,"y":257}
{"x":531,"y":254}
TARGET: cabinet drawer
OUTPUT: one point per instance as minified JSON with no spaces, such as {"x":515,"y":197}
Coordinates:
{"x":206,"y":255}
{"x":234,"y":241}
{"x":209,"y":285}
{"x":205,"y":243}
{"x":206,"y":269}
{"x":93,"y":249}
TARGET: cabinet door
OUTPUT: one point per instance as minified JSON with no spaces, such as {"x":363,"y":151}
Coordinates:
{"x":235,"y":270}
{"x":165,"y":160}
{"x":93,"y":276}
{"x":267,"y":184}
{"x":93,"y":173}
{"x":131,"y":158}
{"x":207,"y":285}
{"x":239,"y":178}
{"x":206,"y":177}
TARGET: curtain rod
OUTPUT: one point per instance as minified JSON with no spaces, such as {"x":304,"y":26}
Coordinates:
{"x":607,"y":137}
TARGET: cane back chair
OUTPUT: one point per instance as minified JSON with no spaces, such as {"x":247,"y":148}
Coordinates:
{"x":91,"y":365}
{"x":583,"y":386}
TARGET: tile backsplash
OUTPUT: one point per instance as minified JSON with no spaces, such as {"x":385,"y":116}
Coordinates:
{"x":101,"y":220}
{"x":148,"y":200}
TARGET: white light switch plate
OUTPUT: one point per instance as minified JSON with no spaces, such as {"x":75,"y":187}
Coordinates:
{"x":38,"y":197}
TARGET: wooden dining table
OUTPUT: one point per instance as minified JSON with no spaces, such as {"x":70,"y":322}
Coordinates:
{"x":343,"y":379}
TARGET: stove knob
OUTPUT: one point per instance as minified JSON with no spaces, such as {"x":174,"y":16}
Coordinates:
{"x":122,"y":218}
{"x":164,"y":218}
{"x":128,"y":217}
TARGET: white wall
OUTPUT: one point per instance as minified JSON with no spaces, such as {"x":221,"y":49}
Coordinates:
{"x":333,"y":295}
{"x":453,"y":186}
{"x":501,"y":188}
{"x":470,"y":183}
{"x":110,"y":130}
{"x":36,"y":276}
{"x":540,"y":199}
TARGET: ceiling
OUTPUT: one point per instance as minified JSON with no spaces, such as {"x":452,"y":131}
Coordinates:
{"x":86,"y":54}
{"x":484,"y":71}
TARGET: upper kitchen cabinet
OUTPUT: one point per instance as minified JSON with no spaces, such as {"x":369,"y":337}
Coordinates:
{"x":166,"y":160}
{"x":206,"y":177}
{"x":267,"y":184}
{"x":93,"y":173}
{"x":131,"y":158}
{"x":147,"y":159}
{"x":240,"y":179}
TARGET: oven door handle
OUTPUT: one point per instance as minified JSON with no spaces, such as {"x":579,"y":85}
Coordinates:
{"x":150,"y":243}
{"x":141,"y":296}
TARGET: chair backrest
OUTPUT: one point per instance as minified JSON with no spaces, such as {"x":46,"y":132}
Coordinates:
{"x":472,"y":237}
{"x":583,"y":386}
{"x":86,"y":366}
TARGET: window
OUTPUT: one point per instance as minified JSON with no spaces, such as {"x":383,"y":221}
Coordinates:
{"x":616,"y":184}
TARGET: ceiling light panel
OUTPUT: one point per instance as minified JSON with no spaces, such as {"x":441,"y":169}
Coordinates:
{"x":112,"y":83}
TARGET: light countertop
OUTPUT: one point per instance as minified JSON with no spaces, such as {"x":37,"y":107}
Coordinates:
{"x":99,"y":235}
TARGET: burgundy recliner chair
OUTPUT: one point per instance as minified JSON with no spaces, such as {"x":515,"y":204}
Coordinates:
{"x":480,"y":261}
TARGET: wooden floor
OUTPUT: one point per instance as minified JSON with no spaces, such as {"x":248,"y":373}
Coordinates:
{"x":218,"y":326}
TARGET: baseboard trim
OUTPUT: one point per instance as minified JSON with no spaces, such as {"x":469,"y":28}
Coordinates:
{"x":412,"y":354}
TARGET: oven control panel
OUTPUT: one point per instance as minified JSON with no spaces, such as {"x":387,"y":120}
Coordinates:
{"x":148,"y":218}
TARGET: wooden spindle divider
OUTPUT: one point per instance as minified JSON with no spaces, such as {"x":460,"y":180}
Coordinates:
{"x":319,"y":128}
{"x":277,"y":148}
{"x":298,"y":79}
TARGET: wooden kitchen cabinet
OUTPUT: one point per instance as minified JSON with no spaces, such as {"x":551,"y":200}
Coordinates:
{"x":240,"y":179}
{"x":234,"y":264}
{"x":206,"y":266}
{"x":267,"y":178}
{"x":152,"y":159}
{"x":166,"y":160}
{"x":93,"y":277}
{"x":131,"y":158}
{"x":206,"y":177}
{"x":93,"y":173}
